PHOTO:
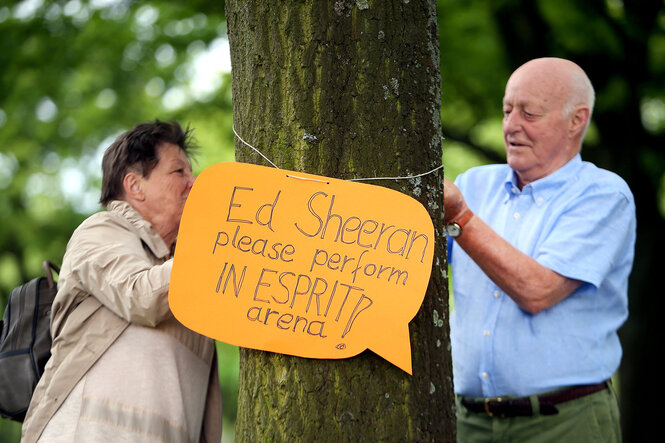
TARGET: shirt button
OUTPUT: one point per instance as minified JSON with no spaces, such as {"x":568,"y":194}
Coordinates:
{"x":514,"y":190}
{"x":540,"y":199}
{"x":496,"y":294}
{"x":516,"y":216}
{"x":486,"y":333}
{"x":485,"y":375}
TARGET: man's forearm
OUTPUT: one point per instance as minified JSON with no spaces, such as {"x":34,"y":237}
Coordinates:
{"x":531,"y":285}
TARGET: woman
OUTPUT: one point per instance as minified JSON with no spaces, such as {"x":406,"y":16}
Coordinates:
{"x":122,"y":368}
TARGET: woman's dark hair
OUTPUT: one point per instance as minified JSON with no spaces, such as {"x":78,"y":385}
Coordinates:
{"x":136,"y":150}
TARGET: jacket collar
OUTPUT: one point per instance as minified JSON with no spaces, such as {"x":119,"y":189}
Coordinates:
{"x":148,"y":235}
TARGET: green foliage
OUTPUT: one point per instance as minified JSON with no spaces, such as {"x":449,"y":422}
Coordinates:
{"x":73,"y":74}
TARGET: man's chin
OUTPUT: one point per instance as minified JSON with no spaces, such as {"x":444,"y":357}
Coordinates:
{"x":516,"y":163}
{"x":512,"y":159}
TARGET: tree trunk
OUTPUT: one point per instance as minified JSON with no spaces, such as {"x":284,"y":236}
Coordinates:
{"x":346,"y":89}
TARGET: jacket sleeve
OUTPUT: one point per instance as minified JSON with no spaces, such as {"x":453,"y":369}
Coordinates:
{"x":109,"y":260}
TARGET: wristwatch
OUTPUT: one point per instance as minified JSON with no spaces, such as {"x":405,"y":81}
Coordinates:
{"x":454,"y":228}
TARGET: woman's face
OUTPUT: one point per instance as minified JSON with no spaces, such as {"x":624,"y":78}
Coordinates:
{"x":166,"y":190}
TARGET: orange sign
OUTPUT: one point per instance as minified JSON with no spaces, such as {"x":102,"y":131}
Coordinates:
{"x":301,"y":264}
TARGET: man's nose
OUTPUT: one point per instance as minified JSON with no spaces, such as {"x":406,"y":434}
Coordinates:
{"x":511,"y":122}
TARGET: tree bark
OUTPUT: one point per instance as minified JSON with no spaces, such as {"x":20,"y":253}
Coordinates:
{"x":346,"y":89}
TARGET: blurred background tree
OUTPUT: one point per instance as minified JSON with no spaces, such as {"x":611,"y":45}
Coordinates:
{"x":76,"y":73}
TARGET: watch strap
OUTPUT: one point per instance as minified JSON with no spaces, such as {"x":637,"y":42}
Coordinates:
{"x":463,"y":219}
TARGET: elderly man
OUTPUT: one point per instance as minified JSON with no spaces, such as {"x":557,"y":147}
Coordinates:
{"x":541,"y":250}
{"x":122,"y":367}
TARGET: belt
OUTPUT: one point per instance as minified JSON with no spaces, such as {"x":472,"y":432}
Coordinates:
{"x":521,"y":406}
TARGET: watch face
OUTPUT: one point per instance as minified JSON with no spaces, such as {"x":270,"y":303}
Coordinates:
{"x":453,"y":229}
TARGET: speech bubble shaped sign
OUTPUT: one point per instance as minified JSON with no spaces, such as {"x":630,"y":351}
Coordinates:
{"x":301,"y":264}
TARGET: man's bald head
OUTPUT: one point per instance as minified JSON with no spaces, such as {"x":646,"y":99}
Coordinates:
{"x":562,"y":78}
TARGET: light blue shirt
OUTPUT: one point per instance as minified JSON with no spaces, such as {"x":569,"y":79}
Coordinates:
{"x":580,"y":222}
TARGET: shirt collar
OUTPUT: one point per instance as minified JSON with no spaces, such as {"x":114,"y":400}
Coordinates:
{"x":541,"y":190}
{"x":147,"y":234}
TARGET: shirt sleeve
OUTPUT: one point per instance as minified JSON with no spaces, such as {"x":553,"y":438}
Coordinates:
{"x":110,"y":262}
{"x":591,"y":237}
{"x":449,"y":248}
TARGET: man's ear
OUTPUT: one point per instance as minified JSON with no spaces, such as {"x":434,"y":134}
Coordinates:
{"x":578,"y":121}
{"x":133,"y":186}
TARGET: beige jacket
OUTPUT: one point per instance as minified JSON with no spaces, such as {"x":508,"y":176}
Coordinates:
{"x":115,"y":272}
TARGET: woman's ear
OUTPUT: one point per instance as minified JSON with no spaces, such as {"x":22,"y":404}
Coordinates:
{"x":133,"y":186}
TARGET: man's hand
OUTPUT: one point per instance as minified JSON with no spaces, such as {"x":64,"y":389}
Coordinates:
{"x":453,"y":202}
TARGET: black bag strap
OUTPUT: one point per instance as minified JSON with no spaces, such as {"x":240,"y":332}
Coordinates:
{"x":49,"y":268}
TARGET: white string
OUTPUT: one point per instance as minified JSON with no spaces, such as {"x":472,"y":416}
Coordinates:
{"x":267,"y":159}
{"x":350,"y":179}
{"x":307,"y":178}
{"x":396,"y":178}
